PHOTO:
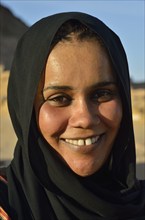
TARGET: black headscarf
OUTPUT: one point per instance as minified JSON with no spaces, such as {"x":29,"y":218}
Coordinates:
{"x":40,"y":185}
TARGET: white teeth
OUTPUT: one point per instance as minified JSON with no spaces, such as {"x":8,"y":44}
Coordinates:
{"x":75,"y":142}
{"x":95,"y":139}
{"x":82,"y":142}
{"x":88,"y":141}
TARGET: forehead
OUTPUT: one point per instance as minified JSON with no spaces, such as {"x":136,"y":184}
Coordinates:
{"x":78,"y":62}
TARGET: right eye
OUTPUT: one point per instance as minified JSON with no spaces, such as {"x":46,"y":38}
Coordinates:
{"x":59,"y":100}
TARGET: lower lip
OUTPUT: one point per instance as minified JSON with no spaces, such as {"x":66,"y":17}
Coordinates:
{"x":85,"y":148}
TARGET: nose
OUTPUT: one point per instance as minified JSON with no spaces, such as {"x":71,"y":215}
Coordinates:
{"x":84,"y":115}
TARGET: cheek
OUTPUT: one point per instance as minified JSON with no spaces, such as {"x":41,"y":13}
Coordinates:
{"x":111,"y":112}
{"x":51,"y":120}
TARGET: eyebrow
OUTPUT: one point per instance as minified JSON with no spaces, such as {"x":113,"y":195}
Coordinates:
{"x":96,"y":85}
{"x":57,"y":88}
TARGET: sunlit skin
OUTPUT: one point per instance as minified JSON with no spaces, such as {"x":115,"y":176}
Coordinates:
{"x":80,"y":102}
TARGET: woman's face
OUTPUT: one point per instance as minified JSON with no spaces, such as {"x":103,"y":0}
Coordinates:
{"x":82,"y":111}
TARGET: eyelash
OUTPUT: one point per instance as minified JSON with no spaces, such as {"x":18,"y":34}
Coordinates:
{"x":98,"y":96}
{"x":103,"y":95}
{"x":60,"y":100}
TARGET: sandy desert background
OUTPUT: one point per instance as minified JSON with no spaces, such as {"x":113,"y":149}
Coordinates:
{"x":8,"y":138}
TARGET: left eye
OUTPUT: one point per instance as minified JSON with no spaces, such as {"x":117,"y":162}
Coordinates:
{"x":58,"y":100}
{"x":103,"y":96}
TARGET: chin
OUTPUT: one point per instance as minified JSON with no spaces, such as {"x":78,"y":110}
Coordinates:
{"x":85,"y":170}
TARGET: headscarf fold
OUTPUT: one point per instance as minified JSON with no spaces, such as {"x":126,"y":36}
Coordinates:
{"x":40,"y":185}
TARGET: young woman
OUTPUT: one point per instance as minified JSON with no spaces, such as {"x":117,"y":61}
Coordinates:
{"x":69,"y":101}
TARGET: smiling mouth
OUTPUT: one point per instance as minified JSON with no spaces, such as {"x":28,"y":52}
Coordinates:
{"x":83,"y":142}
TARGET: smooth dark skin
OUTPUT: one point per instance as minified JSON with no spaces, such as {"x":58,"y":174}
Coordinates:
{"x":82,"y":103}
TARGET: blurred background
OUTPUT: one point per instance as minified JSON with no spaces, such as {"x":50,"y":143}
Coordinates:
{"x":126,"y":18}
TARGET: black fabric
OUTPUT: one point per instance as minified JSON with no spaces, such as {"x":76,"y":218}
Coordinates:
{"x":40,"y":186}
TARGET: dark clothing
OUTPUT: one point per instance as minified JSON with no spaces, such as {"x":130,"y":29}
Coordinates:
{"x":40,"y":185}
